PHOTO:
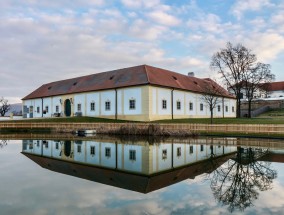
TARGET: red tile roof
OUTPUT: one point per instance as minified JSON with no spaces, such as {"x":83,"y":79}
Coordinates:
{"x":276,"y":86}
{"x":132,"y":76}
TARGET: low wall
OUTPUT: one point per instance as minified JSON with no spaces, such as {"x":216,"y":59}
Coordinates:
{"x":198,"y":128}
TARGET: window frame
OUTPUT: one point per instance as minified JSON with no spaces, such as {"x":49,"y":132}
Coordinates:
{"x":178,"y":105}
{"x":132,"y":104}
{"x":164,"y":104}
{"x":107,"y":105}
{"x":92,"y":106}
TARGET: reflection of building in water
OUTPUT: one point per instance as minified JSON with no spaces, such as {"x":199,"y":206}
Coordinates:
{"x":138,"y":166}
{"x":139,"y":158}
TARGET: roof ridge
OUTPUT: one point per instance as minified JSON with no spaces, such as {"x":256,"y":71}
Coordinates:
{"x":146,"y":71}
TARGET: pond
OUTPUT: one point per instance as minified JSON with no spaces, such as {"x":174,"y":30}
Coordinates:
{"x":109,"y":175}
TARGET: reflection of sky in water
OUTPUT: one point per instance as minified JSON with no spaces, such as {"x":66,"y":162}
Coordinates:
{"x":26,"y":188}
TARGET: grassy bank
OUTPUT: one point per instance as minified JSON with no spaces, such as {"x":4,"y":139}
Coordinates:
{"x":258,"y":120}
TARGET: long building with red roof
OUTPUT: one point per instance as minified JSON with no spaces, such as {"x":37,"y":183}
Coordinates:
{"x":142,"y":93}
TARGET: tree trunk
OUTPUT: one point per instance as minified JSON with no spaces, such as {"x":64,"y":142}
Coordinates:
{"x":211,"y":112}
{"x":249,"y":108}
{"x":238,"y":108}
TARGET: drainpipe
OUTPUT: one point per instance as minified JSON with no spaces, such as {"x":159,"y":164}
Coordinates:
{"x":172,"y":95}
{"x":41,"y":107}
{"x":223,"y":107}
{"x":115,"y":104}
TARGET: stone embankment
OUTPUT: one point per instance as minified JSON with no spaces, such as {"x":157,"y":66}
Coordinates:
{"x":166,"y":129}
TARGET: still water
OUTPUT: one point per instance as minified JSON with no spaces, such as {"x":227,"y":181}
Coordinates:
{"x":107,"y":175}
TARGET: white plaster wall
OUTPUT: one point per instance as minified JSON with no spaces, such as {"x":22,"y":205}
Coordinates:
{"x":190,"y":97}
{"x":79,"y":99}
{"x":205,"y":111}
{"x":93,"y":97}
{"x":164,"y":94}
{"x":93,"y":159}
{"x":191,"y":157}
{"x":120,"y":110}
{"x":154,"y":100}
{"x":159,"y":163}
{"x":56,"y":102}
{"x":136,"y":94}
{"x":179,"y":96}
{"x":56,"y":153}
{"x":201,"y":155}
{"x":47,"y":102}
{"x":276,"y":94}
{"x":47,"y":151}
{"x":135,"y":166}
{"x":79,"y":156}
{"x":108,"y":161}
{"x":108,"y":96}
{"x":179,"y":160}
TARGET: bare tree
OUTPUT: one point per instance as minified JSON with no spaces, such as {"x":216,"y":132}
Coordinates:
{"x":238,"y":182}
{"x":3,"y":143}
{"x":212,"y":93}
{"x":4,"y":106}
{"x":231,"y":63}
{"x":256,"y":78}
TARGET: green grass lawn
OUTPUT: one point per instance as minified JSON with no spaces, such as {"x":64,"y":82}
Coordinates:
{"x":69,"y":119}
{"x":258,"y":120}
{"x":273,"y":114}
{"x":228,"y":121}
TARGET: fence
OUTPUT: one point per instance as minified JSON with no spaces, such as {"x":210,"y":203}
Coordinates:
{"x":202,"y":128}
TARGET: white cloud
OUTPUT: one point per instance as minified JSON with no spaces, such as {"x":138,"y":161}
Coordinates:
{"x":242,"y":6}
{"x":138,"y":4}
{"x":163,"y":18}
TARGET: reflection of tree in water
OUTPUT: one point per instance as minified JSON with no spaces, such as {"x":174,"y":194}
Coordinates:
{"x":237,"y":182}
{"x":3,"y":143}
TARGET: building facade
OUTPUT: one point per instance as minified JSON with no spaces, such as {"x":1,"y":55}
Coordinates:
{"x":141,"y":93}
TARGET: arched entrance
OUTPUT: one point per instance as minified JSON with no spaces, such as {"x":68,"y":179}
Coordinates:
{"x":67,"y":107}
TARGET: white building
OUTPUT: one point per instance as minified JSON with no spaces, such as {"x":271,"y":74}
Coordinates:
{"x":141,"y":93}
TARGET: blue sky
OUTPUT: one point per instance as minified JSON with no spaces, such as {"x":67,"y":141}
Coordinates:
{"x":44,"y":41}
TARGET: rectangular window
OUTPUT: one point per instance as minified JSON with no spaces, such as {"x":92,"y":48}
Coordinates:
{"x":92,"y":150}
{"x":132,"y":104}
{"x":37,"y":143}
{"x":57,"y":109}
{"x":179,"y":151}
{"x":30,"y":146}
{"x":178,"y":105}
{"x":201,"y":107}
{"x":92,"y":106}
{"x":107,"y":105}
{"x":164,"y":104}
{"x":46,"y":144}
{"x":56,"y":145}
{"x":201,"y":148}
{"x":226,"y":108}
{"x":107,"y":152}
{"x":164,"y":154}
{"x":190,"y":106}
{"x":79,"y":107}
{"x":37,"y":109}
{"x":46,"y":109}
{"x":132,"y":155}
{"x":190,"y":149}
{"x":219,"y":108}
{"x":233,"y":109}
{"x":79,"y":148}
{"x":31,"y":109}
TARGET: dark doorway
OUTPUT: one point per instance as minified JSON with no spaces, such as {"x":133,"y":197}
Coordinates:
{"x":67,"y":148}
{"x":67,"y":107}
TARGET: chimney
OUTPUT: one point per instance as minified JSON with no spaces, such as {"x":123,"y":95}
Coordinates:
{"x":191,"y":74}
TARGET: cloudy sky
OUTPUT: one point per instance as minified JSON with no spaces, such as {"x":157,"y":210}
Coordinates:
{"x":49,"y":40}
